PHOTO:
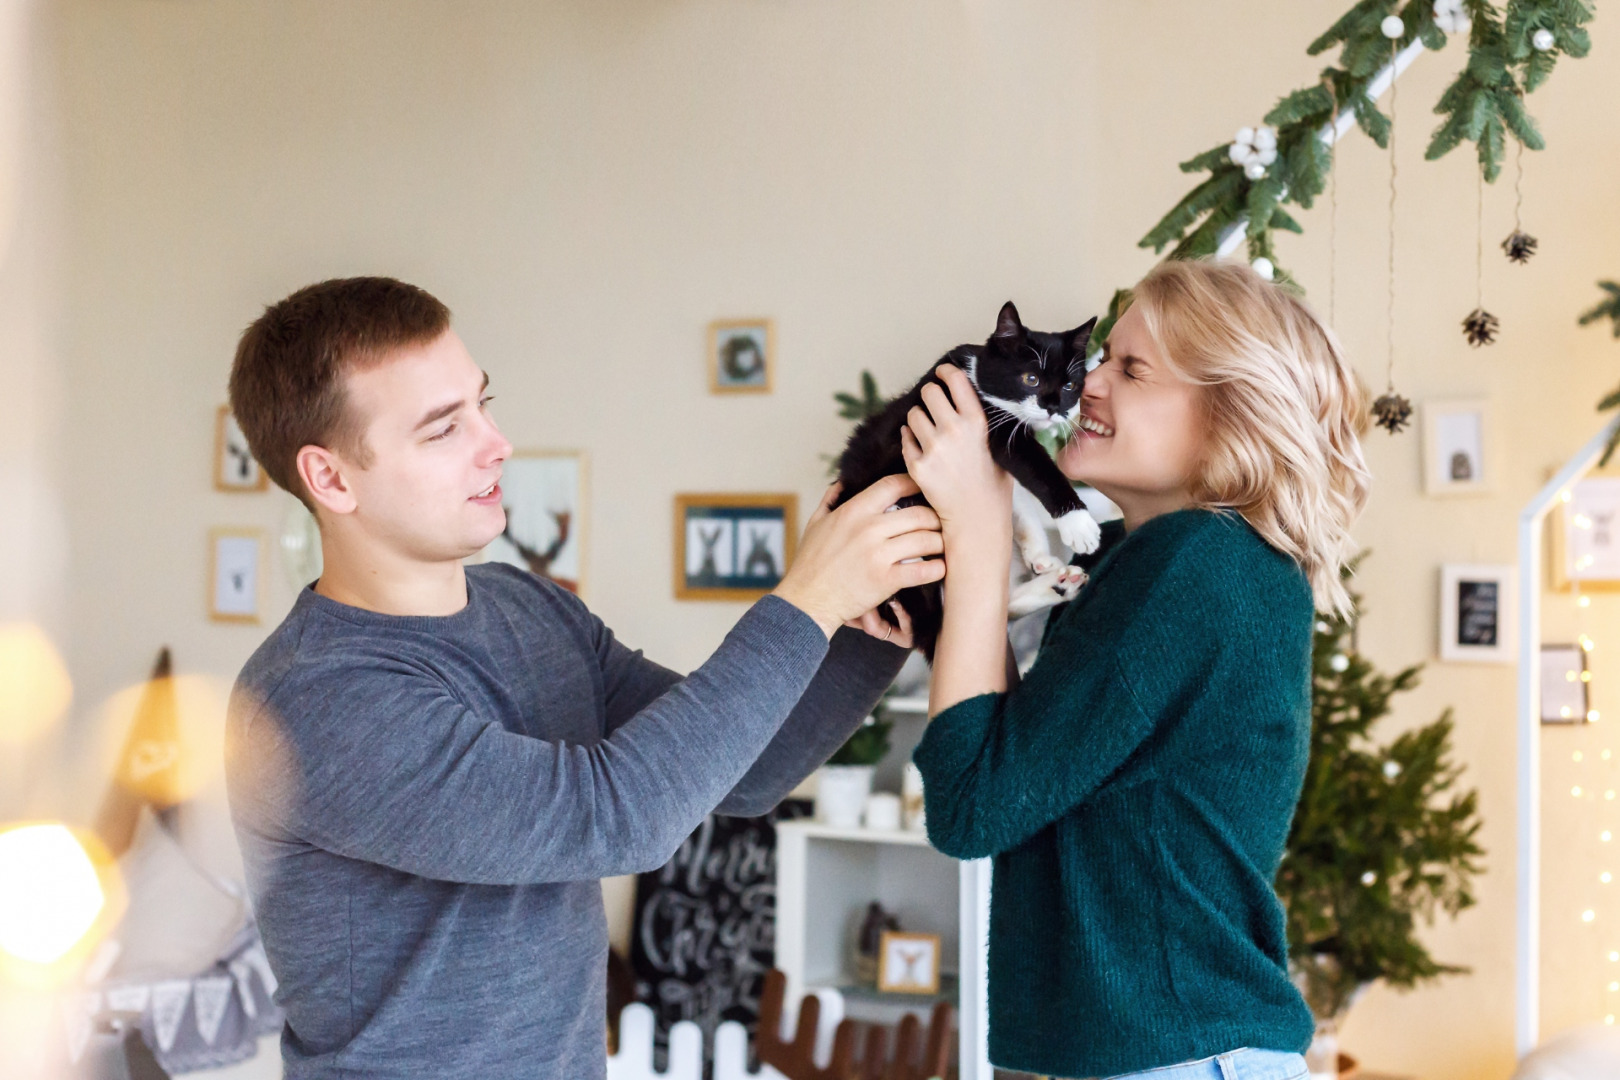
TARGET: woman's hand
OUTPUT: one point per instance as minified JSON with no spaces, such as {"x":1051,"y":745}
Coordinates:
{"x":874,"y":623}
{"x":947,"y":451}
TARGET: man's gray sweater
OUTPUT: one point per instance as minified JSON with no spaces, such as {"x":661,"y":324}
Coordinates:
{"x":425,"y":806}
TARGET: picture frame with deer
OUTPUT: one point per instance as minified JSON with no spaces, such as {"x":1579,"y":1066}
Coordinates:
{"x":733,"y":546}
{"x":544,"y":495}
{"x":235,"y":469}
{"x":908,"y":963}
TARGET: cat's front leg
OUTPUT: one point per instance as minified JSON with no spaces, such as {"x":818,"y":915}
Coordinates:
{"x":1029,"y":532}
{"x":1045,"y":590}
{"x":1033,"y":467}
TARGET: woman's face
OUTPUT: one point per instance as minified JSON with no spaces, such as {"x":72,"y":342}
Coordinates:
{"x":1143,"y":429}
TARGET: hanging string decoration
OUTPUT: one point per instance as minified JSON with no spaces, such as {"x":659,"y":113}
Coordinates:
{"x":1391,"y":411}
{"x":1480,"y":327}
{"x":1519,"y":245}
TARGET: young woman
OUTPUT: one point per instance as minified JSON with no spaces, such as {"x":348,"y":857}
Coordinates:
{"x":1136,"y":787}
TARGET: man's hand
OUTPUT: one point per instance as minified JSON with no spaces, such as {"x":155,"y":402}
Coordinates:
{"x":877,"y":626}
{"x":854,"y":558}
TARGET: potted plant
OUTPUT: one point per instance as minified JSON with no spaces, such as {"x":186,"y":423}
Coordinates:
{"x":843,"y":784}
{"x":1382,"y":838}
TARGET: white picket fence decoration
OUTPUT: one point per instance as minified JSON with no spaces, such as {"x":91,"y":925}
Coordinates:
{"x":634,"y":1061}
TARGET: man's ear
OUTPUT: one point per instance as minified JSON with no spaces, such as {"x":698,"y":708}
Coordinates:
{"x":1007,"y":324}
{"x":323,"y":474}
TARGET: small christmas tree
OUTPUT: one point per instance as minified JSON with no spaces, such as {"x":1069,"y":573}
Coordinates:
{"x":1382,"y":836}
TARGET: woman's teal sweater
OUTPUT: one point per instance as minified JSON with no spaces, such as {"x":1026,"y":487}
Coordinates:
{"x":1136,"y":791}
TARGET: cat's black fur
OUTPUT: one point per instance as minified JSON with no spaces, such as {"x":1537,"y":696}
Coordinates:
{"x":1000,"y":368}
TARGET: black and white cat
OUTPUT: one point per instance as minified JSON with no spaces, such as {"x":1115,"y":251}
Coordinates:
{"x":1028,"y":381}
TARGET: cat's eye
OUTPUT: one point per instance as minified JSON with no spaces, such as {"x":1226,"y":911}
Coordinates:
{"x":1030,"y":379}
{"x":1070,"y":387}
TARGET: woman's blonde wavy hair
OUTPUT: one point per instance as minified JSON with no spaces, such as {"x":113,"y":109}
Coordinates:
{"x":1282,"y":405}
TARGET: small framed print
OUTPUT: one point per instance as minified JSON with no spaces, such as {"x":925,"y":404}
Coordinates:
{"x":742,"y":353}
{"x":732,"y":547}
{"x":1585,"y":548}
{"x":1455,"y":447}
{"x":1565,"y":685}
{"x":1478,"y":614}
{"x":234,"y":466}
{"x":908,"y":963}
{"x":543,"y":494}
{"x":235,"y":575}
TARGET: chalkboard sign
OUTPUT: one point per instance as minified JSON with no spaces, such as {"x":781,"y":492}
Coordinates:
{"x":1477,"y":618}
{"x":1479,"y":608}
{"x":705,"y":925}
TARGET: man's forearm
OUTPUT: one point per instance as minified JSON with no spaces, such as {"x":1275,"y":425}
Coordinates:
{"x":851,"y":679}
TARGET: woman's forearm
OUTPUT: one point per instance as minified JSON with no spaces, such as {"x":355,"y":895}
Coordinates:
{"x":971,"y":656}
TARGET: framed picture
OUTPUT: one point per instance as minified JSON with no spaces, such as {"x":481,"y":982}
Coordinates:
{"x":1478,"y":613}
{"x":742,"y":353}
{"x":732,"y":547}
{"x":543,"y":493}
{"x":234,"y":466}
{"x":1585,"y":548}
{"x":908,"y":963}
{"x":1456,"y":460}
{"x":1565,"y":685}
{"x":235,"y":575}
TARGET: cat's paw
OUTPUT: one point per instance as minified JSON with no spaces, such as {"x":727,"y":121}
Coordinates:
{"x":1079,"y":531}
{"x":1043,"y":563}
{"x":1047,"y":590}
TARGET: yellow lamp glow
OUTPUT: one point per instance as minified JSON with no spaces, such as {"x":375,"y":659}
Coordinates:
{"x":50,"y":894}
{"x":34,"y":687}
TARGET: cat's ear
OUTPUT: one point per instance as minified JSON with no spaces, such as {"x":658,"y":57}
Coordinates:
{"x":1082,"y":336}
{"x":1007,"y":324}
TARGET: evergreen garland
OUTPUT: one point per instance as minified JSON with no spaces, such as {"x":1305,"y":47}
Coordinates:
{"x":1381,"y":838}
{"x":1483,"y":105}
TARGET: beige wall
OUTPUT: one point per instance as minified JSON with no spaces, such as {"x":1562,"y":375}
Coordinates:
{"x":587,"y":185}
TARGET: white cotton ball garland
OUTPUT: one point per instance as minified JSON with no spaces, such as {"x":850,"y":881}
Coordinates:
{"x":1254,"y":149}
{"x":1543,"y":40}
{"x":1265,"y":268}
{"x":1452,"y":17}
{"x":1392,"y":27}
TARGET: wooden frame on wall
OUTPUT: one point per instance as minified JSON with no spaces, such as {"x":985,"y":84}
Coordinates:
{"x":236,"y":571}
{"x":235,"y":470}
{"x":711,"y":530}
{"x":898,"y":974}
{"x":1594,"y":510}
{"x":1479,"y":619}
{"x":545,"y":494}
{"x":754,"y":335}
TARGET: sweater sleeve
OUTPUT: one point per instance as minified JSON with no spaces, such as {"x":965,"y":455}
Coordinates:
{"x":454,"y":797}
{"x":851,"y":679}
{"x":998,"y":768}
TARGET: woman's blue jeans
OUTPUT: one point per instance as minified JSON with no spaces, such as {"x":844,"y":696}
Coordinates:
{"x":1245,"y":1064}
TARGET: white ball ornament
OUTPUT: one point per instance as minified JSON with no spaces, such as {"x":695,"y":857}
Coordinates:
{"x":1254,"y":170}
{"x":1542,"y":39}
{"x":1340,"y":662}
{"x":1264,"y":267}
{"x":1392,"y":27}
{"x":1392,"y":769}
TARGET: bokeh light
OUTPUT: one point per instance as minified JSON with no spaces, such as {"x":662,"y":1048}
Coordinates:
{"x":50,"y":893}
{"x":34,"y":687}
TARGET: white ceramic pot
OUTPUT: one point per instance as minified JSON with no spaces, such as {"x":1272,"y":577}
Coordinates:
{"x":882,"y":812}
{"x":841,"y":792}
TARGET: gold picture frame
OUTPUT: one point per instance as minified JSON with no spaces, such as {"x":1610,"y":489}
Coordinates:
{"x":908,"y":963}
{"x":235,"y":469}
{"x":732,"y":546}
{"x":236,"y":573}
{"x":731,"y":343}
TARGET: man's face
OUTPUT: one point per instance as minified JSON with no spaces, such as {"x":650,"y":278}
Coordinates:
{"x":431,"y":490}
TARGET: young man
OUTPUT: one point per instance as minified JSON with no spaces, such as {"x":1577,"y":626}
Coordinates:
{"x":433,"y":765}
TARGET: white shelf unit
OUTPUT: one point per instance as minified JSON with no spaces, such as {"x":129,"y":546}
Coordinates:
{"x":826,"y":877}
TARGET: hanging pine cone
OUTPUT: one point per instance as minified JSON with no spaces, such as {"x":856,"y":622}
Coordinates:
{"x":1480,"y":327}
{"x":1392,"y":412}
{"x":1520,"y":246}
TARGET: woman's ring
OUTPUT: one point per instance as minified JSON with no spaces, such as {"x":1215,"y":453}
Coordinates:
{"x":887,"y":630}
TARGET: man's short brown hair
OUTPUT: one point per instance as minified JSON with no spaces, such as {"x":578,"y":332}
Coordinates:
{"x":287,"y":382}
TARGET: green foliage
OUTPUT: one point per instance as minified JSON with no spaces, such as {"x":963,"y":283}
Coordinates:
{"x":1607,"y":308}
{"x":869,"y":403}
{"x":1382,"y":838}
{"x":1484,"y":105}
{"x":867,"y":746}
